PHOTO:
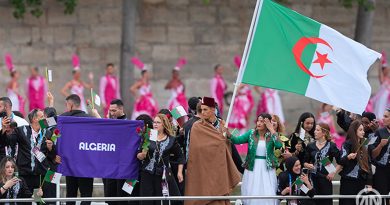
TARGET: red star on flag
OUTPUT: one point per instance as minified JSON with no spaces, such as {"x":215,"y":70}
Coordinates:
{"x":322,"y":59}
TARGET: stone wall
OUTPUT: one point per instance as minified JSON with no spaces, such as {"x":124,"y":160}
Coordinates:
{"x":166,"y":30}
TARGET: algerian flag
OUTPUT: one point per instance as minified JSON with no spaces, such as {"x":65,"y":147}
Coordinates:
{"x":301,"y":185}
{"x":288,"y":51}
{"x":153,"y":135}
{"x":235,"y":133}
{"x":128,"y":186}
{"x":328,"y":165}
{"x":95,"y":98}
{"x":178,"y":112}
{"x":47,"y":122}
{"x":52,"y":177}
{"x":372,"y":140}
{"x":302,"y":133}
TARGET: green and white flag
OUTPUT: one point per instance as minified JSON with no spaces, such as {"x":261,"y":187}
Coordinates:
{"x":328,"y":165}
{"x":128,"y":186}
{"x":96,"y":98}
{"x":52,"y":177}
{"x":178,"y":112}
{"x":288,"y":51}
{"x":301,"y":185}
{"x":47,"y":122}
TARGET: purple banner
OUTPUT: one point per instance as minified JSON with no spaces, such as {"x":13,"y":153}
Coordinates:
{"x":98,"y":148}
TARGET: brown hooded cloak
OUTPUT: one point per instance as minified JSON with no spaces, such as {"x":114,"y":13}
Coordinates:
{"x":210,"y":167}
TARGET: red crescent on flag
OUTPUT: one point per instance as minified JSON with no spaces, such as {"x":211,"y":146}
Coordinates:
{"x":300,"y":46}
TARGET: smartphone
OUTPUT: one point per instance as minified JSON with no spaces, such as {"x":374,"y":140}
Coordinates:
{"x":3,"y":114}
{"x":305,"y":171}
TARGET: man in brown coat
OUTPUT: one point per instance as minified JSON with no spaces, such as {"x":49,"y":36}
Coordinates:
{"x":210,"y":168}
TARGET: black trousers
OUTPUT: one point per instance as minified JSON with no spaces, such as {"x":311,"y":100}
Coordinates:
{"x":323,"y":187}
{"x":73,"y":184}
{"x":113,"y":188}
{"x":382,"y":181}
{"x":350,"y":187}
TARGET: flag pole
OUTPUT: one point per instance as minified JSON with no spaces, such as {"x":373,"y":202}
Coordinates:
{"x":92,"y":99}
{"x":244,"y":58}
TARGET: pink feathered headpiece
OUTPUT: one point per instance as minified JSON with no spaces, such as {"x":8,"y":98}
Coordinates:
{"x":237,"y":61}
{"x":9,"y":63}
{"x":138,"y":63}
{"x":384,"y":59}
{"x":76,"y":62}
{"x":180,"y":64}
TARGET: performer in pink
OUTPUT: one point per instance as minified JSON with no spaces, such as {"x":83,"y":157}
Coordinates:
{"x":242,"y":108}
{"x":381,"y":100}
{"x":36,"y":89}
{"x":177,"y":88}
{"x":325,"y":116}
{"x":13,"y":86}
{"x":109,"y":88}
{"x":270,"y":103}
{"x":142,"y":91}
{"x":76,"y":85}
{"x":218,"y":87}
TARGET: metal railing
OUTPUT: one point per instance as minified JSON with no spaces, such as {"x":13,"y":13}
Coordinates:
{"x":185,"y":198}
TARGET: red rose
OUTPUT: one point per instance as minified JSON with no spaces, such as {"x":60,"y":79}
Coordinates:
{"x":56,"y":131}
{"x":138,"y":130}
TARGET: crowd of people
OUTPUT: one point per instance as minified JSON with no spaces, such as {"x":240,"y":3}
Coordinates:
{"x":199,"y":157}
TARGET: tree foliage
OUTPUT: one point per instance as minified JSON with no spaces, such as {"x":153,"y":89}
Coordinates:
{"x":34,"y":7}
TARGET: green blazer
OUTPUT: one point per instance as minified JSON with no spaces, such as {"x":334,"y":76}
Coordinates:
{"x":252,"y":140}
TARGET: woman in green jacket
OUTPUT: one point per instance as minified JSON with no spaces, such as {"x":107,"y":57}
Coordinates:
{"x":260,"y":163}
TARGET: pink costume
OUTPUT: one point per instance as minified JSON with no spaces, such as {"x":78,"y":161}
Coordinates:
{"x":243,"y":105}
{"x":178,"y":97}
{"x":17,"y":101}
{"x":270,"y":103}
{"x":381,"y":100}
{"x":36,"y":92}
{"x":218,"y":87}
{"x":78,"y":89}
{"x":327,"y":118}
{"x":145,"y":104}
{"x":109,"y":90}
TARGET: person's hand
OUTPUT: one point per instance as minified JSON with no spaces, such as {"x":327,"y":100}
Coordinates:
{"x":40,"y":192}
{"x":269,"y":125}
{"x":5,"y":122}
{"x":95,"y":113}
{"x":352,"y":156}
{"x":141,"y":155}
{"x":49,"y":145}
{"x":330,"y":176}
{"x":305,"y":178}
{"x":180,"y":177}
{"x":10,"y":183}
{"x":57,"y":159}
{"x":310,"y":166}
{"x":287,"y":154}
{"x":374,"y":125}
{"x":369,"y":188}
{"x":286,"y":191}
{"x":383,"y":142}
{"x":50,"y":99}
{"x":298,"y":147}
{"x":181,"y":131}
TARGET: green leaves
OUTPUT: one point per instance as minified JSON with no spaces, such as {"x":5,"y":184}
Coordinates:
{"x":367,"y":4}
{"x":34,"y":7}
